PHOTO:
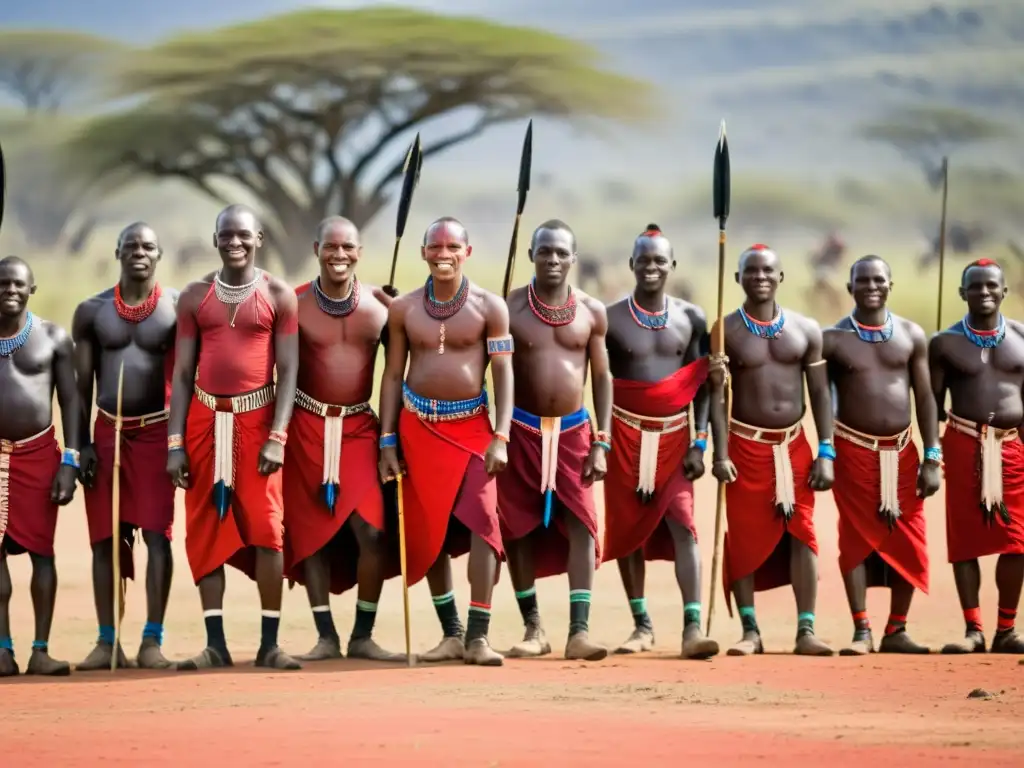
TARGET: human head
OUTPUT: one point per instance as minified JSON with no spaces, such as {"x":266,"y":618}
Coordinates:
{"x":983,"y":287}
{"x":652,"y":259}
{"x":17,"y":283}
{"x":138,"y":251}
{"x":237,"y":236}
{"x":553,"y":252}
{"x":760,"y":273}
{"x":870,"y":283}
{"x":338,"y":249}
{"x":446,"y":248}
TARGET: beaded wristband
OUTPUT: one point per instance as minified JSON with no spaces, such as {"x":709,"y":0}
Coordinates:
{"x":933,"y":455}
{"x":701,"y":441}
{"x":70,"y":458}
{"x":388,"y":440}
{"x":826,"y":450}
{"x":603,"y":444}
{"x":501,"y":436}
{"x":603,"y":436}
{"x":175,"y":441}
{"x":279,"y":436}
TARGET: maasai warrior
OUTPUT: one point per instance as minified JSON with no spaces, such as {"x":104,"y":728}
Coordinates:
{"x":227,"y":433}
{"x":333,"y":504}
{"x":980,"y":360}
{"x":446,"y":331}
{"x":133,"y":324}
{"x":657,"y":348}
{"x":761,"y":450}
{"x":546,"y":495}
{"x":875,"y":360}
{"x":36,"y":357}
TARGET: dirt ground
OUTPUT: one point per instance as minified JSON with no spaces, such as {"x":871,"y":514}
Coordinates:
{"x":654,"y":709}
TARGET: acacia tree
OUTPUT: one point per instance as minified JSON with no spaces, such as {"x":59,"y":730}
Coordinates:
{"x":311,"y":112}
{"x":44,"y":69}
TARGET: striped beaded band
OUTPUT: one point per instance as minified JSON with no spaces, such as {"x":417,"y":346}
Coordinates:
{"x":70,"y":458}
{"x":500,"y":345}
{"x":933,"y":455}
{"x":603,"y":444}
{"x":701,"y":441}
{"x":442,"y":410}
{"x":388,"y":440}
{"x":279,"y":436}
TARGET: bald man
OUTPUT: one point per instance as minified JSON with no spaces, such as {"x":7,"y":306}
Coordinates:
{"x":334,"y":504}
{"x":131,"y":324}
{"x":228,"y":430}
{"x":762,"y":452}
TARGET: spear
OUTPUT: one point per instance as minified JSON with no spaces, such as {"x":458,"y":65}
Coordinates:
{"x":525,"y":164}
{"x":411,"y":172}
{"x":721,"y":196}
{"x":942,"y":239}
{"x":3,"y":185}
{"x":115,"y":540}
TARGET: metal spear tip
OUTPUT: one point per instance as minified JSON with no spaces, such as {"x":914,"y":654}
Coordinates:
{"x":722,"y":180}
{"x":526,"y":159}
{"x":3,"y":184}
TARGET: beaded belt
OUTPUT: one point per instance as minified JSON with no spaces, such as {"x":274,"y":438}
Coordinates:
{"x":442,"y":410}
{"x":549,"y":428}
{"x":761,"y":435}
{"x":991,"y":455}
{"x":651,"y":429}
{"x":135,"y":422}
{"x":333,"y":416}
{"x":779,"y":439}
{"x":8,"y":447}
{"x":250,"y":401}
{"x":888,"y":449}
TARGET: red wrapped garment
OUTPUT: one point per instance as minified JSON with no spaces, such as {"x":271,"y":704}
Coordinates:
{"x":862,"y":530}
{"x":968,"y":536}
{"x":756,"y":528}
{"x":28,"y":519}
{"x":147,"y":494}
{"x":521,"y":502}
{"x":629,"y":524}
{"x":444,"y":462}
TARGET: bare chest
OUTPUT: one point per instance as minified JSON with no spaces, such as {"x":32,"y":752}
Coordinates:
{"x":155,"y":334}
{"x":747,"y":350}
{"x":319,"y":331}
{"x":466,"y":328}
{"x":968,"y":360}
{"x":533,"y":334}
{"x":857,"y":356}
{"x":34,"y":359}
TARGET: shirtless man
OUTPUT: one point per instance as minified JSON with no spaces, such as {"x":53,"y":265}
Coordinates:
{"x":36,"y":357}
{"x":875,"y":360}
{"x":227,"y":430}
{"x":657,"y":345}
{"x":334,"y":515}
{"x":446,"y":331}
{"x":980,"y":361}
{"x":763,"y":453}
{"x":132,"y":324}
{"x":546,"y":495}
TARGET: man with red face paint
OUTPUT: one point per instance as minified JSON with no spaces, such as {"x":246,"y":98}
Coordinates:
{"x":447,"y":331}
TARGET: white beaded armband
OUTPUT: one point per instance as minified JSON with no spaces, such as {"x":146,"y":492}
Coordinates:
{"x":500,"y":345}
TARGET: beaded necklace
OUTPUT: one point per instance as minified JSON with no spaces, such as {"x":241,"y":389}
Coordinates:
{"x":987,"y":340}
{"x":766,"y":330}
{"x":547,"y":314}
{"x":11,"y":344}
{"x":873,"y":334}
{"x":139,"y":312}
{"x":443,"y":310}
{"x":337,"y":307}
{"x":652,"y":321}
{"x":233,"y":295}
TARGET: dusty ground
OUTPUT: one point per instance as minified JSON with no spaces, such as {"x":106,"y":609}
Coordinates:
{"x":654,"y":710}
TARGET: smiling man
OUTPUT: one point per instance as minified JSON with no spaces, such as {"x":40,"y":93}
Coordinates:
{"x":762,"y":453}
{"x":227,"y":430}
{"x":333,"y":503}
{"x":132,"y":324}
{"x":546,"y":496}
{"x":875,"y":361}
{"x":36,"y":357}
{"x":657,"y":345}
{"x":980,"y":361}
{"x":446,"y":332}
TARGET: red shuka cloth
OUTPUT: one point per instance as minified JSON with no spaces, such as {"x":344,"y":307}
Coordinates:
{"x":756,"y":528}
{"x":521,"y":503}
{"x":256,"y":515}
{"x":968,"y":536}
{"x":628,"y":524}
{"x":308,"y":524}
{"x":857,"y":491}
{"x":31,"y":516}
{"x":147,"y":493}
{"x":444,"y":462}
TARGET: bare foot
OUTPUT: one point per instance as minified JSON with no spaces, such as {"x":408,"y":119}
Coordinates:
{"x":1007,"y":642}
{"x":449,"y":649}
{"x":535,"y":643}
{"x":151,"y":656}
{"x":640,"y":641}
{"x":863,"y":643}
{"x":209,"y":658}
{"x":973,"y":642}
{"x":749,"y":645}
{"x":367,"y":648}
{"x":275,"y":658}
{"x":900,"y":642}
{"x":99,"y":658}
{"x":479,"y":652}
{"x":41,"y":663}
{"x":580,"y":648}
{"x":696,"y":645}
{"x":8,"y":666}
{"x":325,"y":648}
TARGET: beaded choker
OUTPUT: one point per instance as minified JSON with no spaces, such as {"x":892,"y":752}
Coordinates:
{"x":337,"y":307}
{"x":443,"y":310}
{"x":987,"y":340}
{"x":139,"y":312}
{"x":652,"y":321}
{"x":12,"y":344}
{"x":770,"y":330}
{"x":549,"y":315}
{"x":873,"y":334}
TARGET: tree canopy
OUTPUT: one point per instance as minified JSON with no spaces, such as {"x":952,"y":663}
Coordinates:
{"x":311,"y":113}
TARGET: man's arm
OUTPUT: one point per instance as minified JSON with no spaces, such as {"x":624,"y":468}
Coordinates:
{"x":394,"y":368}
{"x":937,"y":374}
{"x":600,"y":371}
{"x":501,"y":365}
{"x":700,"y":345}
{"x":718,"y":375}
{"x":67,"y":390}
{"x":818,"y":386}
{"x":286,"y":353}
{"x":186,"y":348}
{"x":924,"y":397}
{"x":85,"y":370}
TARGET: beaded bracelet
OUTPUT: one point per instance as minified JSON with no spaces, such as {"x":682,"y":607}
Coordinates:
{"x":826,"y":450}
{"x":602,"y":437}
{"x":388,"y":440}
{"x":279,"y":436}
{"x":70,"y":458}
{"x":604,"y":444}
{"x":933,"y":455}
{"x":701,"y":441}
{"x":501,"y":436}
